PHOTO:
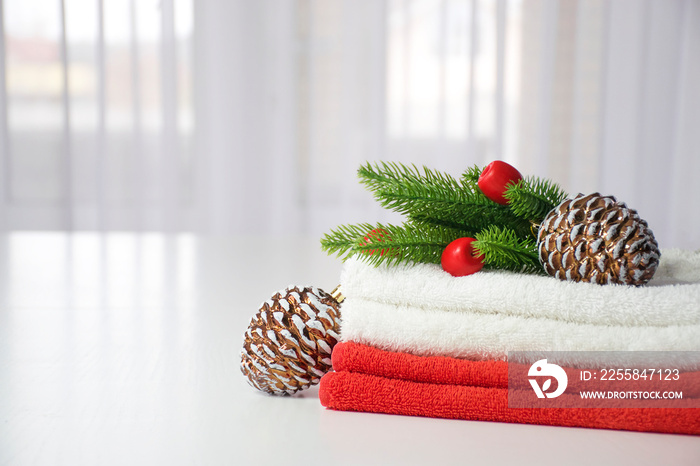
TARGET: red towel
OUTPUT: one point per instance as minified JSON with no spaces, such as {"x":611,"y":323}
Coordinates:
{"x":371,"y":380}
{"x":355,"y":357}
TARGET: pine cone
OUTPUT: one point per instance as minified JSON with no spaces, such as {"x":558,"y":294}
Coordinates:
{"x":596,"y":239}
{"x":288,"y":344}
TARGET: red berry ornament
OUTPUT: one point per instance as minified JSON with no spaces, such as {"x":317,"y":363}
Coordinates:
{"x":377,"y":235}
{"x":495,"y":178}
{"x":459,"y":259}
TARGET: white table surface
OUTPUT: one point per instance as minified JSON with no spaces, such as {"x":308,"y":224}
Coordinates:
{"x":124,"y":349}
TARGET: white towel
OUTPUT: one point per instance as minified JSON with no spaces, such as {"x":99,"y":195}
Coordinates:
{"x":422,"y":310}
{"x":672,"y":297}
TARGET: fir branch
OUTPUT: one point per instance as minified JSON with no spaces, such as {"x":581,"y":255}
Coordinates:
{"x":341,"y":240}
{"x":395,"y":185}
{"x":409,"y":242}
{"x":470,"y":218}
{"x":502,"y":249}
{"x":471,"y":177}
{"x":434,"y":218}
{"x":435,"y":198}
{"x":533,"y":198}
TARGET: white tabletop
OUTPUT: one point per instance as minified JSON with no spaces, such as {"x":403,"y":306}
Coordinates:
{"x":124,"y":349}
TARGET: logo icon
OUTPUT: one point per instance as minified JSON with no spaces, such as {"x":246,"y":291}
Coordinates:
{"x":543,"y":369}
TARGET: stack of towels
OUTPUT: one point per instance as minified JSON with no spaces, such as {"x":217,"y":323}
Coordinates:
{"x":417,"y":341}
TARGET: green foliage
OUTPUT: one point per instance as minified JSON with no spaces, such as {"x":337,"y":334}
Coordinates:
{"x":471,"y":177}
{"x":405,"y":189}
{"x":397,"y":243}
{"x":503,"y":249}
{"x":439,"y":209}
{"x":532,"y":198}
{"x":431,"y":197}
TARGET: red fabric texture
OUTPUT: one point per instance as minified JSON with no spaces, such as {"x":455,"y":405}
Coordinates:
{"x":367,"y":379}
{"x":355,"y":357}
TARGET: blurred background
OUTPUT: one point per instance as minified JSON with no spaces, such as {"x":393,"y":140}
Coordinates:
{"x":251,"y":117}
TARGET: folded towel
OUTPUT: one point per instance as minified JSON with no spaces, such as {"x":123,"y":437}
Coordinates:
{"x":355,"y":357}
{"x":350,"y":391}
{"x":447,"y":339}
{"x":434,"y":332}
{"x":672,"y":297}
{"x":371,"y":380}
{"x":420,"y":309}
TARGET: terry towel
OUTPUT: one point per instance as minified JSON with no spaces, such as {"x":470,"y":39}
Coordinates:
{"x":355,"y":357}
{"x":371,"y":380}
{"x":420,"y":309}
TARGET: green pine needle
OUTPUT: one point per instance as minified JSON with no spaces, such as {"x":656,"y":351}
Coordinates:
{"x":395,"y":185}
{"x":532,"y":198}
{"x":441,"y":209}
{"x":471,"y":177}
{"x":384,"y":243}
{"x":502,"y":249}
{"x":432,"y":197}
{"x":436,"y":219}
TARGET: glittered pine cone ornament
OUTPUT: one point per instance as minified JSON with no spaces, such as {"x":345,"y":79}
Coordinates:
{"x":597,"y":239}
{"x":288,"y":344}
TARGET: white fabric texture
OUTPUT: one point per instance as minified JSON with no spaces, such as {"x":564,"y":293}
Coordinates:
{"x":422,"y":310}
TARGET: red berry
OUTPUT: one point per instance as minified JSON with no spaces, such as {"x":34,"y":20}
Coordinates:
{"x":377,"y":235}
{"x":459,"y":259}
{"x":495,"y":179}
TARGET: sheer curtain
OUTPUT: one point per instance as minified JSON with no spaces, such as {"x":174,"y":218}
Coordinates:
{"x":251,"y":117}
{"x":96,"y":114}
